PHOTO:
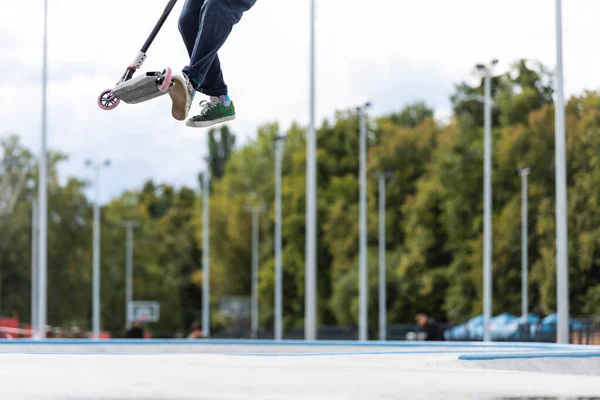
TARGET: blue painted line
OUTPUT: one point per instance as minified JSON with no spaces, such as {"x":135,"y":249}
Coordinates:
{"x":464,"y":357}
{"x":325,"y":354}
{"x":418,"y":352}
{"x":509,"y":356}
{"x":227,"y":342}
{"x":62,"y":353}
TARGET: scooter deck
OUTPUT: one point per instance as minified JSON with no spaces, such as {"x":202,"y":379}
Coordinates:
{"x":141,"y":88}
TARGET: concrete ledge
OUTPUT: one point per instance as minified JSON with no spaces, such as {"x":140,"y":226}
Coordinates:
{"x":185,"y":370}
{"x":512,"y":356}
{"x":461,"y":351}
{"x":217,"y":376}
{"x":547,"y":362}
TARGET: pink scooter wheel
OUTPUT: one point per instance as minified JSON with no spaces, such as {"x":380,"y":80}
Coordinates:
{"x":107,"y":100}
{"x":168,"y":75}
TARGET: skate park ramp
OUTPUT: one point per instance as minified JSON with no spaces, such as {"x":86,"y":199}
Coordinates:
{"x":215,"y":369}
{"x":581,"y":362}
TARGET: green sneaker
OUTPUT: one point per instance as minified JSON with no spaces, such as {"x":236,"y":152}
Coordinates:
{"x":213,"y":112}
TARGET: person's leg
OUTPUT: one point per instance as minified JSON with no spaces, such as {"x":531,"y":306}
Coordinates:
{"x":189,"y":23}
{"x":184,"y":91}
{"x":214,"y":83}
{"x":216,"y":23}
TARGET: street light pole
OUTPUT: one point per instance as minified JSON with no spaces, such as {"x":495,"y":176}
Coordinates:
{"x":310,"y":290}
{"x":96,"y":249}
{"x":206,"y":254}
{"x":96,"y":262}
{"x":382,"y":176}
{"x":487,"y":218}
{"x":524,"y":172}
{"x":363,"y":273}
{"x":278,"y":221}
{"x":43,"y":195}
{"x":129,"y":225}
{"x":562,"y":266}
{"x":255,"y":211}
{"x":34,"y":269}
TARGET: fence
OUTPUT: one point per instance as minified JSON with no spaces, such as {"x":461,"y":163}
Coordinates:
{"x":585,"y":331}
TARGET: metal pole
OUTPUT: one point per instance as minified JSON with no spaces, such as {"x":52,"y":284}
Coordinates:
{"x":254,"y":327}
{"x":96,"y":250}
{"x":129,"y":293}
{"x":206,"y":255}
{"x":524,"y":243}
{"x":96,"y":258}
{"x":562,"y":268}
{"x":43,"y":194}
{"x":0,"y":280}
{"x":363,"y":299}
{"x":382,"y":262}
{"x":129,"y":225}
{"x":310,"y":312}
{"x":278,"y":267}
{"x":34,"y":267}
{"x":487,"y":220}
{"x":0,"y":276}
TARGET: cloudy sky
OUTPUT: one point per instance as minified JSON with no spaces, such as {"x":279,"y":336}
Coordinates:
{"x":388,"y":51}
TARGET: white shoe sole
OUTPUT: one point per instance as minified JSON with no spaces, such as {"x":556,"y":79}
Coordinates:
{"x":206,"y":124}
{"x":180,"y":99}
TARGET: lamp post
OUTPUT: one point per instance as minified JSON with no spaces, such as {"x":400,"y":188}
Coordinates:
{"x":206,"y":254}
{"x":363,"y":273}
{"x":524,"y":172}
{"x":278,"y":145}
{"x":42,"y":242}
{"x":310,"y":291}
{"x":129,"y":226}
{"x":255,"y":211}
{"x":382,"y":176}
{"x":34,"y":269}
{"x":96,"y":248}
{"x":562,"y":261}
{"x":487,"y":218}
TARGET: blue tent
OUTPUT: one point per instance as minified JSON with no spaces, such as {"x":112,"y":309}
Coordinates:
{"x":509,"y":327}
{"x":475,"y":328}
{"x":502,"y":326}
{"x":513,"y":328}
{"x":503,"y":319}
{"x":531,"y":319}
{"x":470,"y":330}
{"x":549,"y":324}
{"x":459,"y":332}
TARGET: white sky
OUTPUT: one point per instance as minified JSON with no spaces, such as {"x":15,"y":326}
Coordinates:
{"x":388,"y":51}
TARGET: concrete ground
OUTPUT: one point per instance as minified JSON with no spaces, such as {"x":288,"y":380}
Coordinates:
{"x":296,"y":370}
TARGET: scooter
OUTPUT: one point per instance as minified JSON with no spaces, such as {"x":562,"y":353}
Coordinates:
{"x":145,"y":87}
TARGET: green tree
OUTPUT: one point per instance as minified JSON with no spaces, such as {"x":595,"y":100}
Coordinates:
{"x":412,"y":115}
{"x":219,"y":149}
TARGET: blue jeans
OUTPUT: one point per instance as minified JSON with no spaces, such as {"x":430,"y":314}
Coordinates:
{"x":205,"y":26}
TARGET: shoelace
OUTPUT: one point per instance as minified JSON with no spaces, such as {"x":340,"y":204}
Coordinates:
{"x":207,"y":105}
